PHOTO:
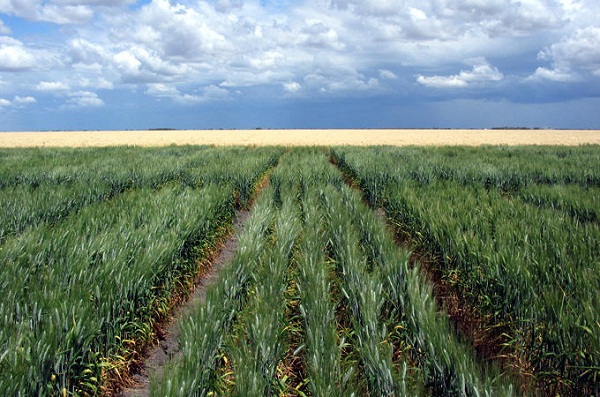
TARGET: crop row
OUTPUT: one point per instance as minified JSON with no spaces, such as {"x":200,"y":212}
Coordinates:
{"x":81,"y":286}
{"x":517,"y":238}
{"x":319,"y":300}
{"x":50,"y":190}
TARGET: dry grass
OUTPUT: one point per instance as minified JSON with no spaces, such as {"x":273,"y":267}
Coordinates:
{"x":300,"y":137}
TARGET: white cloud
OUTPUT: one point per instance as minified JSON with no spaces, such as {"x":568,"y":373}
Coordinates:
{"x":372,"y":7}
{"x":580,"y":13}
{"x":579,"y":50}
{"x":52,"y":86}
{"x":316,"y":33}
{"x":102,"y":3}
{"x":451,"y":19}
{"x":571,"y":5}
{"x":482,"y":72}
{"x":14,"y":57}
{"x":17,"y":101}
{"x":188,"y":99}
{"x":532,"y":15}
{"x":249,"y":48}
{"x":23,"y":100}
{"x":24,"y":9}
{"x":138,"y":64}
{"x":77,"y":14}
{"x":232,"y":43}
{"x":496,"y":17}
{"x":126,"y":62}
{"x":58,"y":11}
{"x":385,"y":74}
{"x":292,"y":87}
{"x":196,"y":51}
{"x":337,"y":81}
{"x":416,"y":14}
{"x":96,"y":83}
{"x":162,"y":90}
{"x":266,"y":60}
{"x":442,"y":81}
{"x":84,"y":99}
{"x":214,"y":92}
{"x":207,"y":93}
{"x":84,"y":51}
{"x":554,"y":75}
{"x":176,"y":30}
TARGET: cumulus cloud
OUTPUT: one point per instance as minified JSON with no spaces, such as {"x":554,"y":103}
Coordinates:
{"x":14,"y":56}
{"x":373,"y":7}
{"x":127,"y":63}
{"x":292,"y":86}
{"x":18,"y":101}
{"x":526,"y":16}
{"x":558,"y":75}
{"x":177,"y":30}
{"x":86,"y":52}
{"x":136,"y":65}
{"x":191,"y":52}
{"x":324,"y":48}
{"x":95,"y":83}
{"x":214,"y":92}
{"x":102,"y":3}
{"x":336,"y":82}
{"x":140,"y":65}
{"x":23,"y":100}
{"x":57,"y":11}
{"x":76,"y":14}
{"x":207,"y":93}
{"x":385,"y":74}
{"x":316,"y":33}
{"x":50,"y":86}
{"x":482,"y":71}
{"x":448,"y":19}
{"x":580,"y":50}
{"x":49,"y":12}
{"x":84,"y":99}
{"x":442,"y":81}
{"x":162,"y":90}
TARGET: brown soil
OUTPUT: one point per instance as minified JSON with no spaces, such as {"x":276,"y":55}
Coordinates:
{"x":168,"y":343}
{"x":365,"y":137}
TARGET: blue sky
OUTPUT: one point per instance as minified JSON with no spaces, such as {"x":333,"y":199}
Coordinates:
{"x":122,"y":64}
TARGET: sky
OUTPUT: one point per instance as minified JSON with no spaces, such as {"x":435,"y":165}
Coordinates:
{"x":127,"y":64}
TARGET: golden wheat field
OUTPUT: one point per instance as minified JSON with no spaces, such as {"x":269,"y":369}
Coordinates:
{"x":354,"y":137}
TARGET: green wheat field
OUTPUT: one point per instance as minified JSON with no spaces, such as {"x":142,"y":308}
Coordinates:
{"x":342,"y":281}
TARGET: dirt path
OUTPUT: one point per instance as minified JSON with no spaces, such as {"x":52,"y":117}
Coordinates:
{"x":168,"y":346}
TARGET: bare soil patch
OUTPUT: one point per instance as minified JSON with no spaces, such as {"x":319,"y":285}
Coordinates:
{"x":354,"y":137}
